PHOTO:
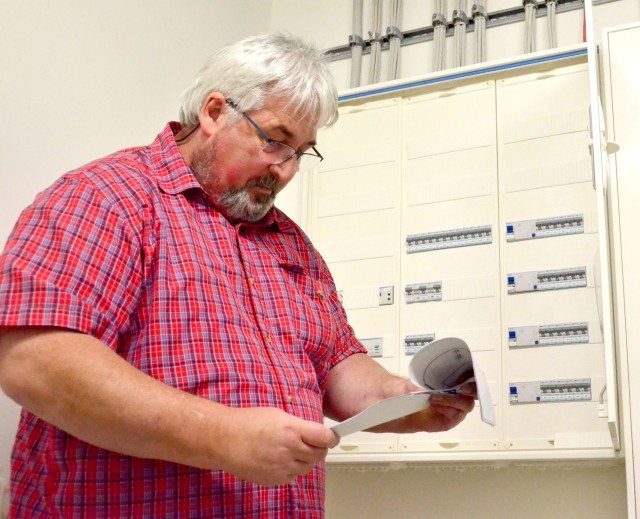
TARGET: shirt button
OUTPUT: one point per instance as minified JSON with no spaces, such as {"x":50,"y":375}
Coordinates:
{"x":290,"y":399}
{"x":319,"y":294}
{"x":251,"y":281}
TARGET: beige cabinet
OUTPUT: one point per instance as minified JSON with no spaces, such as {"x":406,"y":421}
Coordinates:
{"x":423,"y":210}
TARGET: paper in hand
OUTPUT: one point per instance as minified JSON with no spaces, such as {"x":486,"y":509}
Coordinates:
{"x":441,"y":366}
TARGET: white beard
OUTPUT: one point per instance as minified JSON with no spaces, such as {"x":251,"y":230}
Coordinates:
{"x":236,"y":203}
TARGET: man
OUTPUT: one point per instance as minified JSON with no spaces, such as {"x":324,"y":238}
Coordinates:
{"x":173,"y":338}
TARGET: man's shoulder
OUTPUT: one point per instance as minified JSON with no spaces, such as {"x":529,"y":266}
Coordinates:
{"x":122,"y":183}
{"x":127,"y":164}
{"x":127,"y":173}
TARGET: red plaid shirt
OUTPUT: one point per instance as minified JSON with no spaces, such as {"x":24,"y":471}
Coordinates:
{"x":129,"y":250}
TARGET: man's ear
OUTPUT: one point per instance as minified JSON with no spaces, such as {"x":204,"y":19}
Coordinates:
{"x":212,"y":115}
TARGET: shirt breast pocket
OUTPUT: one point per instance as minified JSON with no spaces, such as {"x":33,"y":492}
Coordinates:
{"x":310,"y":314}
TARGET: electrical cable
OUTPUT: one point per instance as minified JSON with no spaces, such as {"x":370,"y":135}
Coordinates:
{"x":356,"y":44}
{"x":551,"y":23}
{"x":460,"y":22}
{"x":394,"y":34}
{"x":439,"y":23}
{"x":530,"y":10}
{"x":602,"y":392}
{"x":479,"y":13}
{"x":375,"y":39}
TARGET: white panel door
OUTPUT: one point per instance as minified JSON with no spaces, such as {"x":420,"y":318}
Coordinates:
{"x":450,"y":223}
{"x":549,"y":275}
{"x":622,"y":84}
{"x":355,"y":224}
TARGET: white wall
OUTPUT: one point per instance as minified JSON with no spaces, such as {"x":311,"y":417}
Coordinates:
{"x":82,"y":79}
{"x":544,"y":491}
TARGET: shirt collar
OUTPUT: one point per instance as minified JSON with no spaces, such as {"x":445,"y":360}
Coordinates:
{"x":174,"y":175}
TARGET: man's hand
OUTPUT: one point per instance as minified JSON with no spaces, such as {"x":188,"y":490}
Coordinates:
{"x":358,"y":382}
{"x":270,"y":447}
{"x":80,"y":385}
{"x":443,"y":413}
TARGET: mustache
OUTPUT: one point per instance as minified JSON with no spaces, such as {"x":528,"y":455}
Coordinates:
{"x":267,"y":182}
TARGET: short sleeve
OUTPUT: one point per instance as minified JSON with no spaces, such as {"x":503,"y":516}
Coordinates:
{"x":72,"y":261}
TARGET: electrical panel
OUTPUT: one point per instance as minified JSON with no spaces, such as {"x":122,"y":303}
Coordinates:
{"x":450,"y":263}
{"x":355,"y":216}
{"x":471,"y":213}
{"x":553,"y":351}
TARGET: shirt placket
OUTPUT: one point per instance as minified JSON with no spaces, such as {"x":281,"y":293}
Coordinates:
{"x":258,"y":299}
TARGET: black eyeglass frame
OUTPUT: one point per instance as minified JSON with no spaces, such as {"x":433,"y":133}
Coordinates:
{"x":270,"y":141}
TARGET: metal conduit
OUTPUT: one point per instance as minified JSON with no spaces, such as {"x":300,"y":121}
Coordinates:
{"x":480,"y":19}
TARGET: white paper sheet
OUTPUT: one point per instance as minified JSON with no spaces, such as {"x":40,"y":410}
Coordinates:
{"x":441,"y":366}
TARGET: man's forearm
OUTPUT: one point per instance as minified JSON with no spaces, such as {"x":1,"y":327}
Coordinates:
{"x":78,"y":384}
{"x":358,"y":382}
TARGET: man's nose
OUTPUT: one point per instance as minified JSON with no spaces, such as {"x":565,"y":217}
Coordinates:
{"x":286,"y":170}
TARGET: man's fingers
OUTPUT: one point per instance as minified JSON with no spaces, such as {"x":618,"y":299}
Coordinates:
{"x":310,"y":454}
{"x":462,"y":402}
{"x":468,"y":389}
{"x":335,"y":440}
{"x":317,"y":435}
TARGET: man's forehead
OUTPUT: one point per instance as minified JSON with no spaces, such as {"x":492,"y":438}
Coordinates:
{"x":288,"y":123}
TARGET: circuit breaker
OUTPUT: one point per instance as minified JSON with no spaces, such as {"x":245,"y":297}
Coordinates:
{"x":548,"y":334}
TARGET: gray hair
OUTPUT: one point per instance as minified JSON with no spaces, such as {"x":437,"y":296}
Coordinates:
{"x":279,"y":65}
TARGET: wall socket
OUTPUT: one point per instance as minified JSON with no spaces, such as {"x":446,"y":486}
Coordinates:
{"x":385,"y":296}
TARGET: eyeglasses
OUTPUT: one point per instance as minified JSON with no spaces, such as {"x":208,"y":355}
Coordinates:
{"x":281,"y":152}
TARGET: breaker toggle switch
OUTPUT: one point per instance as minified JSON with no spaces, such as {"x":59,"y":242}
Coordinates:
{"x":423,"y":292}
{"x":412,"y":343}
{"x":374,"y":346}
